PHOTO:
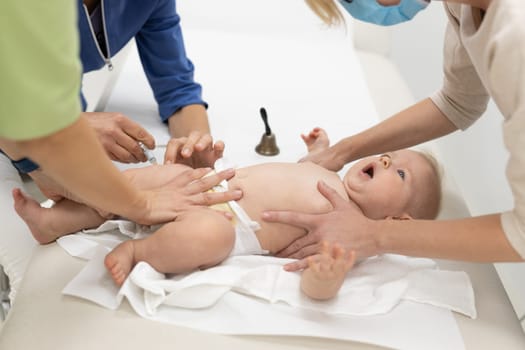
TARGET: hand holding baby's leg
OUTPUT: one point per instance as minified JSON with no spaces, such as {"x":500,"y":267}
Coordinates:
{"x":326,"y":272}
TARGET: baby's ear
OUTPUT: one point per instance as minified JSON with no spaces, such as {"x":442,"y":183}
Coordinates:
{"x":403,"y":216}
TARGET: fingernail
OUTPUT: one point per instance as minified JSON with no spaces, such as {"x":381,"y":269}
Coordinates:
{"x":265,"y":215}
{"x":168,"y":162}
{"x":237,"y":193}
{"x":186,"y":151}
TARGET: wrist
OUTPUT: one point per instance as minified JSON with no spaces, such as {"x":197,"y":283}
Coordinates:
{"x":342,"y":152}
{"x":187,"y":119}
{"x":379,"y":231}
{"x":139,"y":208}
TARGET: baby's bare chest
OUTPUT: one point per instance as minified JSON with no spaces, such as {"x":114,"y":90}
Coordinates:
{"x":285,"y":186}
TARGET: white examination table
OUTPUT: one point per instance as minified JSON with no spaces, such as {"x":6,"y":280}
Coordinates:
{"x":42,"y":318}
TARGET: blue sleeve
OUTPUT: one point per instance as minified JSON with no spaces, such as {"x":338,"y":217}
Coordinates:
{"x":169,"y":71}
{"x":83,"y":101}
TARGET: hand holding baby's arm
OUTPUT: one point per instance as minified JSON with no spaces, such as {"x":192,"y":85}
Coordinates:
{"x":326,"y":272}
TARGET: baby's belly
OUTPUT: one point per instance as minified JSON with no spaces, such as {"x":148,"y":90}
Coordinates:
{"x":282,"y":187}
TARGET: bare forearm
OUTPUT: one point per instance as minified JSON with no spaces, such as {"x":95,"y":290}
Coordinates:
{"x":188,"y":119}
{"x":74,"y":158}
{"x":478,"y":239}
{"x":416,"y":124}
{"x":154,"y":176}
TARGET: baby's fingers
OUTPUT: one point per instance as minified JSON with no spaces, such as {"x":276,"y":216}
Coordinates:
{"x":218,"y":149}
{"x":350,"y":260}
{"x":320,"y":266}
{"x":338,"y":252}
{"x":313,"y":264}
{"x":326,"y":263}
{"x":311,"y":136}
{"x":344,"y":263}
{"x":307,"y":139}
{"x":189,"y":145}
{"x":203,"y":142}
{"x":172,"y":150}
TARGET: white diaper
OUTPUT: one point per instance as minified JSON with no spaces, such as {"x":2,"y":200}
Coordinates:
{"x":246,"y":242}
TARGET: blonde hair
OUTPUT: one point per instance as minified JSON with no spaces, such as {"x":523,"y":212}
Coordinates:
{"x":327,"y":11}
{"x":428,"y":205}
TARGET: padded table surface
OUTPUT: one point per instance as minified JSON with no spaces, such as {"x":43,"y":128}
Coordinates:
{"x":42,"y":318}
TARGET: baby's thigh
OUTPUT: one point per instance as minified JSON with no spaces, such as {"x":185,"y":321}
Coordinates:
{"x":211,"y":233}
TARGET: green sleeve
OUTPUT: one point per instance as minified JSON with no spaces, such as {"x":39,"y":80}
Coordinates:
{"x":39,"y":67}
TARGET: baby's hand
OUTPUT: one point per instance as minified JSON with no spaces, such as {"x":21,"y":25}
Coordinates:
{"x":319,"y":151}
{"x":197,"y":150}
{"x":326,"y":272}
{"x":316,"y":140}
{"x":331,"y":264}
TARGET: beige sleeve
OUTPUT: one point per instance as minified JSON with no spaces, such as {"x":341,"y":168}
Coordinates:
{"x":463,"y":99}
{"x":507,"y":78}
{"x":513,"y":222}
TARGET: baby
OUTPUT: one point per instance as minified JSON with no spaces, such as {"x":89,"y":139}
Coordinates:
{"x":398,"y":185}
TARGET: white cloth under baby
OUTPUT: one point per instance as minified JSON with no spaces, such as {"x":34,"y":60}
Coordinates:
{"x":375,"y":286}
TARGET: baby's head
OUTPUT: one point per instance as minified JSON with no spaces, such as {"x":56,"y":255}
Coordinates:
{"x":398,"y":184}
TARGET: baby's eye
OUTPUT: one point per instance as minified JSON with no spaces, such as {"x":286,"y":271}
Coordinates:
{"x":401,"y":174}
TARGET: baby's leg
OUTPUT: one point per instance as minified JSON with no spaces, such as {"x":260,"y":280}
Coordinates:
{"x":48,"y":224}
{"x":196,"y":239}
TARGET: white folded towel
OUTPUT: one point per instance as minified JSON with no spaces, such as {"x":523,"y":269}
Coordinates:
{"x":375,"y":286}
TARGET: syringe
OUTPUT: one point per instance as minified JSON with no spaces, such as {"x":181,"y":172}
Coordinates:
{"x":148,"y":153}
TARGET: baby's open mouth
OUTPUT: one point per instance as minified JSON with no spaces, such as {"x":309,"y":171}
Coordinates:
{"x":369,"y":170}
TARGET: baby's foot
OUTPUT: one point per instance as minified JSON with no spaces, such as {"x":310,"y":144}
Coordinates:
{"x":119,"y":262}
{"x":34,"y":216}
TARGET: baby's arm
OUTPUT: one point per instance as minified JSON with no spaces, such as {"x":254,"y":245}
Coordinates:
{"x":326,"y":272}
